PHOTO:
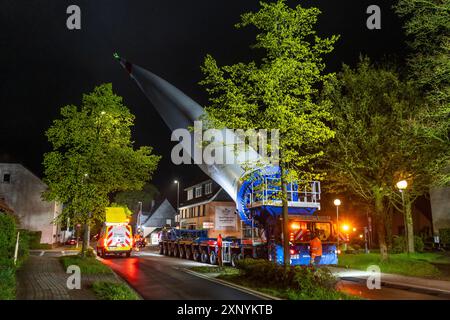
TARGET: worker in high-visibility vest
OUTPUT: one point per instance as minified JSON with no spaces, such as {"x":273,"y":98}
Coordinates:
{"x":219,"y":249}
{"x":315,"y":246}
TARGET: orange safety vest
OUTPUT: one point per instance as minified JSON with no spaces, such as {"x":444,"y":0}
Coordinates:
{"x":316,"y":247}
{"x":219,"y":241}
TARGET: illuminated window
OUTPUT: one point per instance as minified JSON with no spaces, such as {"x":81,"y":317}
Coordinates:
{"x":190,"y":194}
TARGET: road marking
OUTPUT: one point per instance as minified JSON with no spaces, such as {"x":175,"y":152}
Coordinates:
{"x":42,"y":253}
{"x":255,"y":293}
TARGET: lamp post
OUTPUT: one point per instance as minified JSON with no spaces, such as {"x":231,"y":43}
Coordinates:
{"x":402,"y":185}
{"x":178,"y":193}
{"x":337,"y":203}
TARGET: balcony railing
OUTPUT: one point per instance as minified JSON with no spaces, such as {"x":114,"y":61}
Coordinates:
{"x":268,"y":192}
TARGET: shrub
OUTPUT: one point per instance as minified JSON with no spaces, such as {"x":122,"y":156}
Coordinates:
{"x":418,"y":244}
{"x":444,"y":236}
{"x":301,"y":278}
{"x":399,"y":244}
{"x":7,"y":283}
{"x":7,"y":239}
{"x":113,"y":291}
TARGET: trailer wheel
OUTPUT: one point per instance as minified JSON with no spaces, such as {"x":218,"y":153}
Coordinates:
{"x":188,"y":253}
{"x":175,"y":251}
{"x":181,"y":252}
{"x":197,"y":255}
{"x":166,"y":250}
{"x":128,"y":254}
{"x":161,"y":249}
{"x":212,"y":258}
{"x":204,"y":257}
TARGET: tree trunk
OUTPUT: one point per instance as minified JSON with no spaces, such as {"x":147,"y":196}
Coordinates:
{"x":409,"y":228}
{"x":381,"y":232}
{"x":285,"y":221}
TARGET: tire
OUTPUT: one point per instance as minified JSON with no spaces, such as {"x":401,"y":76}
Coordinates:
{"x":181,"y":253}
{"x":176,"y":251}
{"x":161,"y":249}
{"x":103,"y":254}
{"x":188,"y":253}
{"x":213,"y":258}
{"x":166,"y":250}
{"x":128,"y":254}
{"x":204,"y":257}
{"x":196,"y":256}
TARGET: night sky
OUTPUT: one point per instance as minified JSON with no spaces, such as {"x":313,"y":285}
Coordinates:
{"x":45,"y":66}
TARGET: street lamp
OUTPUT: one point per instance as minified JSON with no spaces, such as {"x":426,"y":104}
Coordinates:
{"x":337,"y":203}
{"x":402,"y":185}
{"x":178,"y":193}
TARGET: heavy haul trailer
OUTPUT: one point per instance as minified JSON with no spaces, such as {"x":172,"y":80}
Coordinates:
{"x":258,"y":205}
{"x":196,"y":245}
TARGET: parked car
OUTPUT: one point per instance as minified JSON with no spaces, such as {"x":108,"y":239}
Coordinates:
{"x":71,"y":241}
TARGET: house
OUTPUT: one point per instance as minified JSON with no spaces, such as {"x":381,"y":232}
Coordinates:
{"x":205,"y":205}
{"x":162,"y":214}
{"x":21,"y":190}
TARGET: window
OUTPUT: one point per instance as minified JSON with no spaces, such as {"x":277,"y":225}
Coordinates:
{"x":7,"y":178}
{"x":198,"y":192}
{"x":190,"y":194}
{"x":208,"y":188}
{"x":169,"y":221}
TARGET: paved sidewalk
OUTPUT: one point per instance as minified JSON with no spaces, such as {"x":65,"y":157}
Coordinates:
{"x":395,"y":280}
{"x":44,"y":278}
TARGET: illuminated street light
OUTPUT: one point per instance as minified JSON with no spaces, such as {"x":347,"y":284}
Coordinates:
{"x":360,"y":236}
{"x":337,"y":203}
{"x":178,"y":193}
{"x":402,"y":185}
{"x":345,"y":227}
{"x":354,"y":229}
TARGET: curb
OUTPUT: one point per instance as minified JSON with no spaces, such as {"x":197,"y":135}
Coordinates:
{"x":263,"y":296}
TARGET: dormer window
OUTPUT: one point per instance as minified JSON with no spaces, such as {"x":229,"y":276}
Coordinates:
{"x":198,"y":192}
{"x":208,"y":188}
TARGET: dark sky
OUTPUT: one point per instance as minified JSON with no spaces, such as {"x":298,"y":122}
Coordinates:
{"x":45,"y":66}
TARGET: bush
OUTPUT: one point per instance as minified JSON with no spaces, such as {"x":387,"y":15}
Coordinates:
{"x":444,"y":236}
{"x":7,"y":239}
{"x":305,"y":281}
{"x":7,"y":283}
{"x":399,"y":244}
{"x":113,"y":291}
{"x":418,"y":244}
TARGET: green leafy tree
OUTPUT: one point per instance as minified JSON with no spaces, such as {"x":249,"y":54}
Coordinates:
{"x":279,"y":91}
{"x":93,"y":156}
{"x":427,"y":23}
{"x":377,"y":143}
{"x":133,"y":197}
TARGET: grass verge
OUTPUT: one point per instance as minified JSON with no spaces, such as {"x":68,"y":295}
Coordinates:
{"x":221,"y":270}
{"x":113,"y":291}
{"x":88,"y":265}
{"x":415,"y":265}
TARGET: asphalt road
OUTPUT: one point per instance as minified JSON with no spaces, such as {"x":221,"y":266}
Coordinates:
{"x":159,"y":277}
